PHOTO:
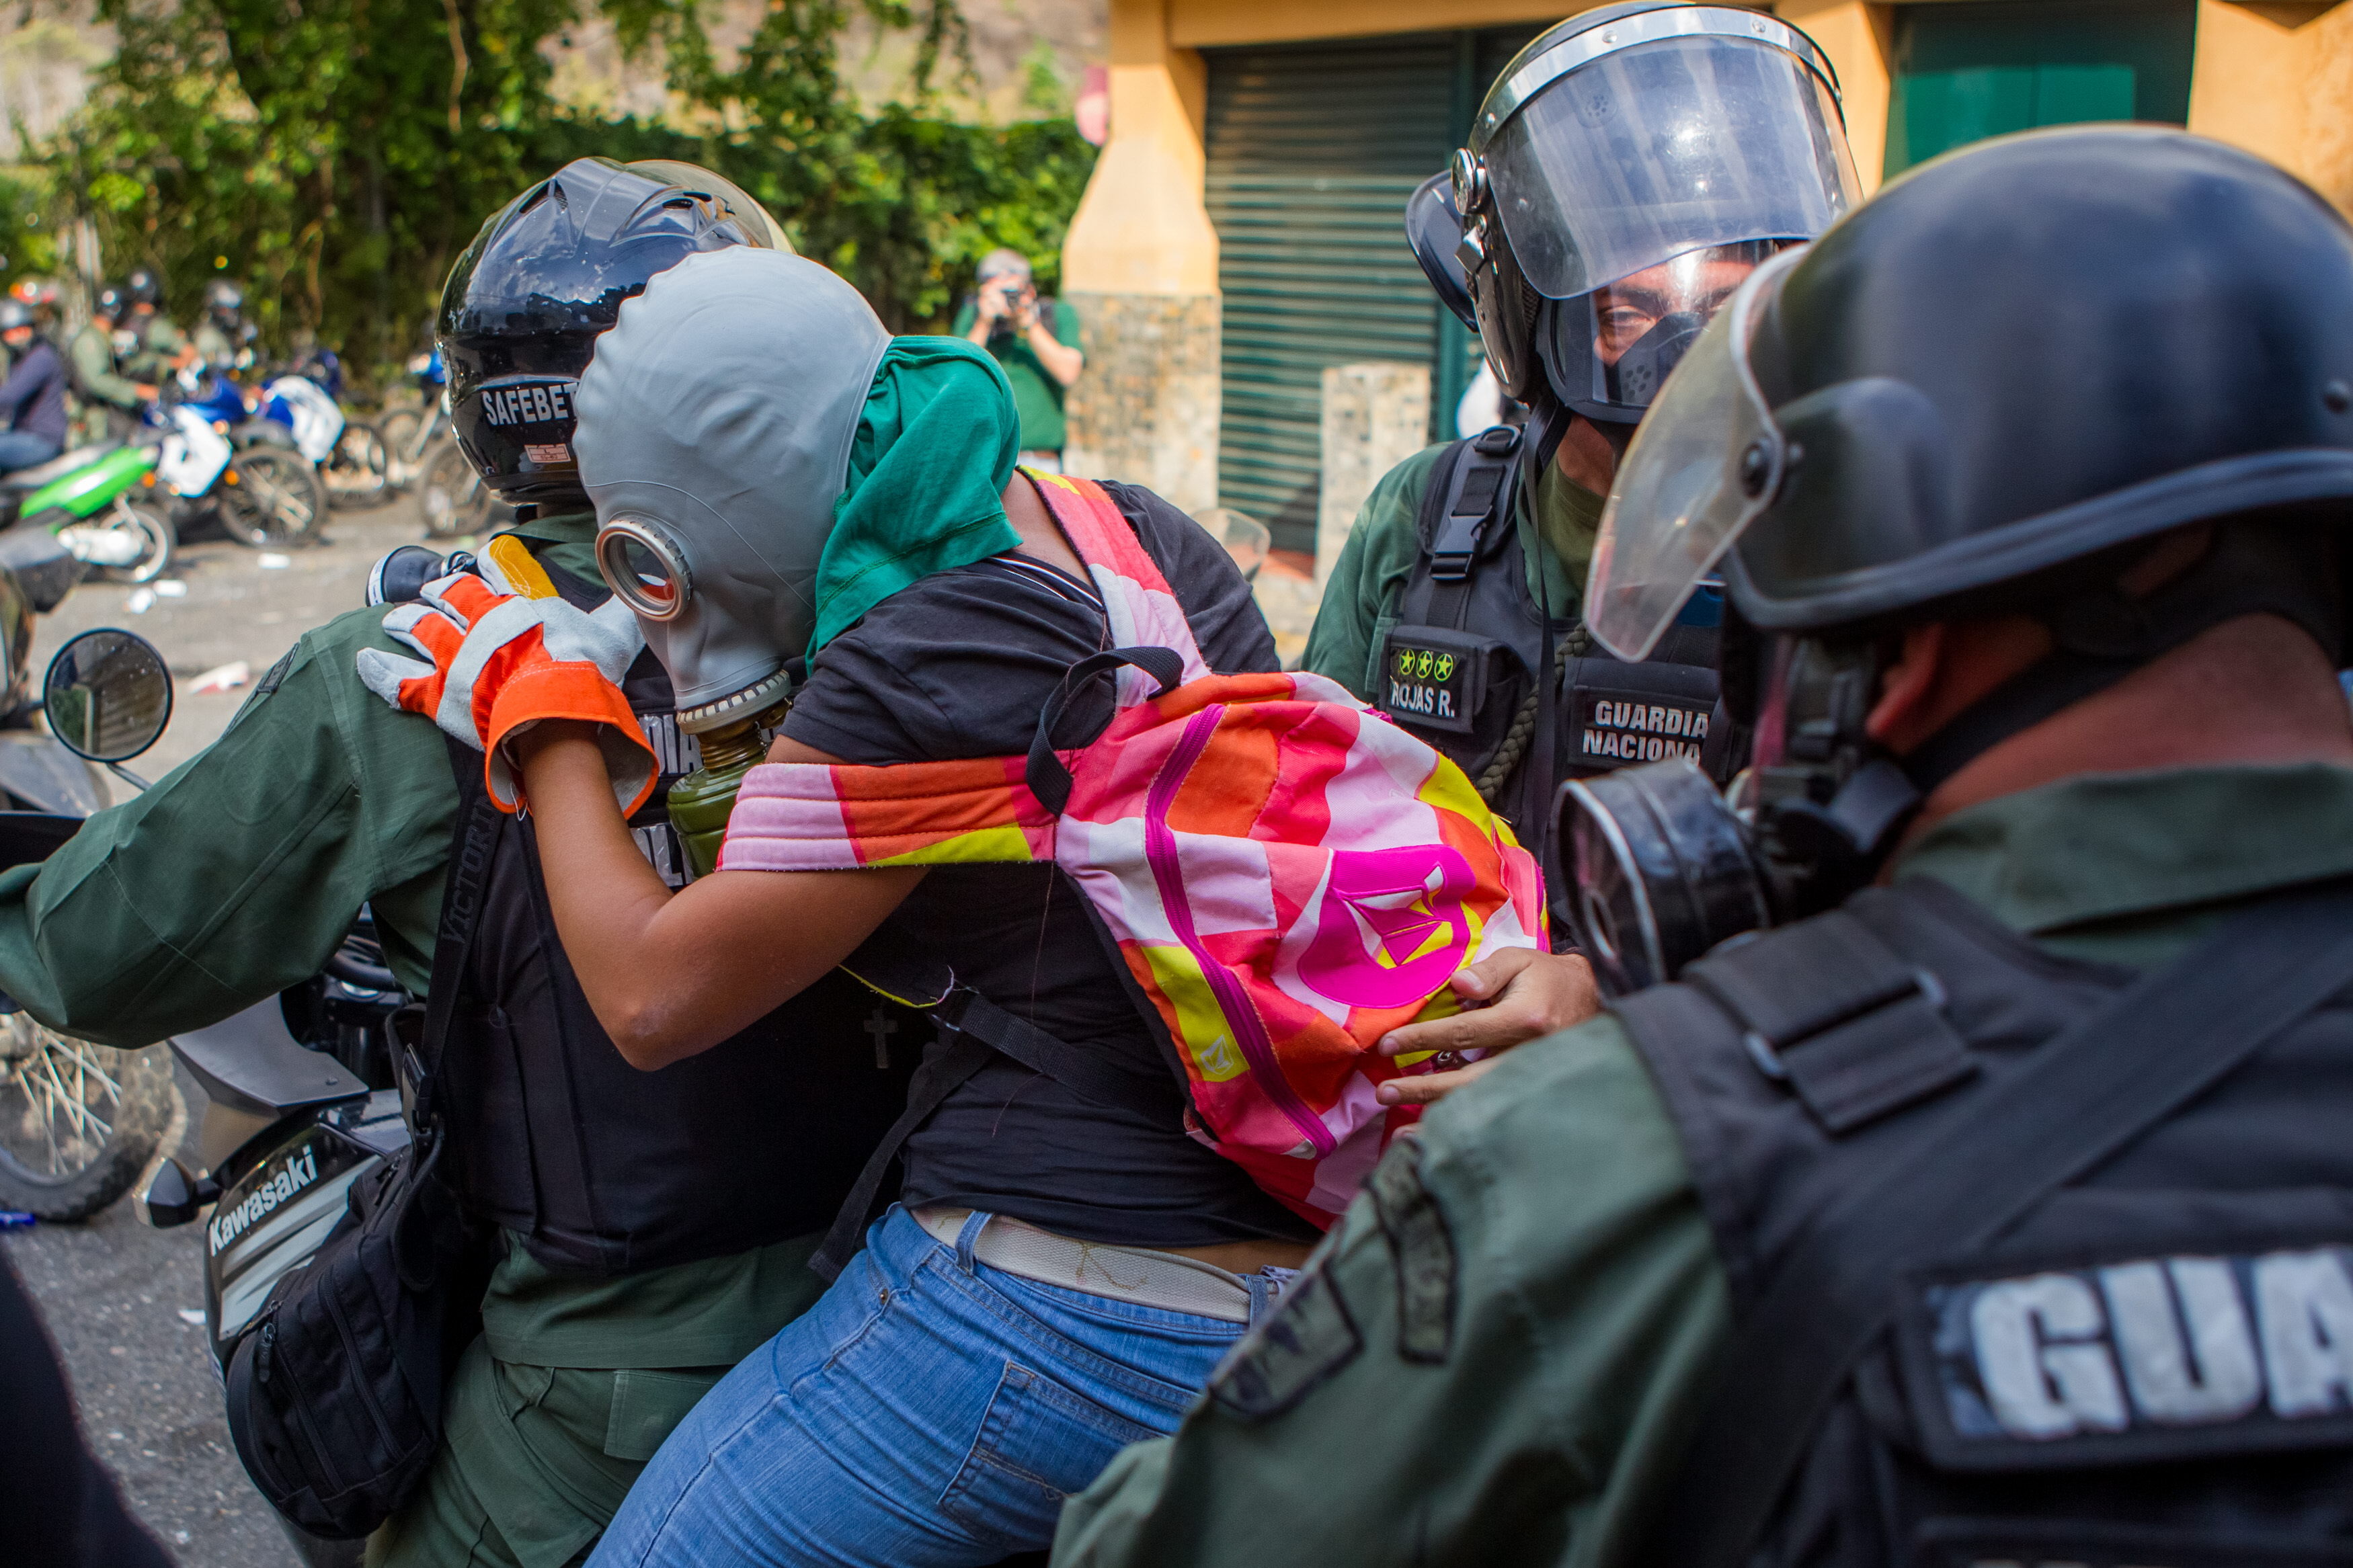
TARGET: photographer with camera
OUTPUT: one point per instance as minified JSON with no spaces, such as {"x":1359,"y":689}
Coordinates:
{"x":1037,"y":343}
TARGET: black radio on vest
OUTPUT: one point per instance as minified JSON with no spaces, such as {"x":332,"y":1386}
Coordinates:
{"x":599,"y":1167}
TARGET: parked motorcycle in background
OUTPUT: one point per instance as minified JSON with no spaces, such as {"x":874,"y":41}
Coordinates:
{"x":214,"y":460}
{"x":421,"y":454}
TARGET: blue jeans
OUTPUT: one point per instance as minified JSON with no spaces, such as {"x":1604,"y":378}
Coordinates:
{"x":929,"y":1412}
{"x":23,"y":449}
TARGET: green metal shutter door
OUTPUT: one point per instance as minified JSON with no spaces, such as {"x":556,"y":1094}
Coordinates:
{"x":1312,"y":152}
{"x":1966,"y":71}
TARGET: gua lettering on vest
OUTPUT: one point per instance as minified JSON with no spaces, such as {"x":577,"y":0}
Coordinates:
{"x":2191,"y":1352}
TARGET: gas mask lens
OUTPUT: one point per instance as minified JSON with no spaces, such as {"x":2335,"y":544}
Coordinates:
{"x":643,"y":569}
{"x":1702,"y":464}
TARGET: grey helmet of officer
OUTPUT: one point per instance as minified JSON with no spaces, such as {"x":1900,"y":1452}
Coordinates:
{"x":1626,"y":170}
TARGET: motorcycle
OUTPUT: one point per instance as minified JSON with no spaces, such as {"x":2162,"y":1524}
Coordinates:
{"x":78,"y":1121}
{"x":300,"y":1094}
{"x":293,"y":412}
{"x":265,"y":494}
{"x":92,"y":500}
{"x":421,"y":454}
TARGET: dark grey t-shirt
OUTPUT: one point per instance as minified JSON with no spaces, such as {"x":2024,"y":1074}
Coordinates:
{"x":958,"y":666}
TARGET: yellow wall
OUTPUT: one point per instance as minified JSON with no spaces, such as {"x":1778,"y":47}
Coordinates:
{"x":1141,"y":227}
{"x":1859,"y":40}
{"x":2277,"y":80}
{"x":1202,"y":24}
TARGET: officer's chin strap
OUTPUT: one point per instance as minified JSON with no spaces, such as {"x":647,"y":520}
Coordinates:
{"x":2101,"y":635}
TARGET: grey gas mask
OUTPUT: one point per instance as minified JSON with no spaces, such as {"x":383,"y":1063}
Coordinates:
{"x":715,"y":425}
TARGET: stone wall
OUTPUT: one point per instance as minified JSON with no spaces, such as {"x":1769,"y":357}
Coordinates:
{"x":1145,"y":408}
{"x":1375,"y":416}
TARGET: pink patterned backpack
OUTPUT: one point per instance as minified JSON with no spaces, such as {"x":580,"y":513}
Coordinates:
{"x":1288,"y":874}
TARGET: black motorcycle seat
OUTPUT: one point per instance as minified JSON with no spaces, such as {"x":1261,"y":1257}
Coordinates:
{"x":57,"y":467}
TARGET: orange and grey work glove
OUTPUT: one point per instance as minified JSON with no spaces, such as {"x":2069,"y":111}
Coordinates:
{"x":508,"y":652}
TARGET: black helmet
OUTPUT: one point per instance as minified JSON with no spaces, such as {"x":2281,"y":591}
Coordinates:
{"x":224,"y":298}
{"x":15,"y":313}
{"x":110,"y":301}
{"x":523,"y":307}
{"x":2181,"y":310}
{"x":143,"y":288}
{"x":1657,"y":136}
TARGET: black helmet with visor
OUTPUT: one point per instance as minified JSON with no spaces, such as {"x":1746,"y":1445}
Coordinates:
{"x":1626,"y":172}
{"x":546,"y":278}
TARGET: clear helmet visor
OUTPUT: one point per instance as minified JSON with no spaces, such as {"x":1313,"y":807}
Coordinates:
{"x":1662,"y":149}
{"x":1701,"y":467}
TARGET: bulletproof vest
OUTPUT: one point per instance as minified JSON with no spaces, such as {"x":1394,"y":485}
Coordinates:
{"x":603,"y":1169}
{"x":2151,"y":1366}
{"x":1459,"y":667}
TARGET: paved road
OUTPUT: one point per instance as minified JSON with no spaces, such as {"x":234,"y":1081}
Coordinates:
{"x":113,"y":1291}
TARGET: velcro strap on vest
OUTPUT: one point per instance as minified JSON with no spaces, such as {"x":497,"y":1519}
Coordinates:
{"x":1853,"y":1030}
{"x":1479,"y":475}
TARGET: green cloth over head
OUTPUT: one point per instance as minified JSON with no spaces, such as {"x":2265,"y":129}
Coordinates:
{"x":928,"y":468}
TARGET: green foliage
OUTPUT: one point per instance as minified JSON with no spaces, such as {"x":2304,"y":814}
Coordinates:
{"x":337,"y":154}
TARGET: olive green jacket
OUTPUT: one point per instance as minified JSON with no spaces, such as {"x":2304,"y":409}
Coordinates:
{"x":239,"y":871}
{"x":1589,"y":1302}
{"x":94,"y":377}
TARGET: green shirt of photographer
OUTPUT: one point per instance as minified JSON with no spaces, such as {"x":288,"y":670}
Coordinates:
{"x":1037,"y":396}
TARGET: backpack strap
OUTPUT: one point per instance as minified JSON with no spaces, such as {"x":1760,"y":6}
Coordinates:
{"x":2084,"y":1097}
{"x":461,"y":908}
{"x":1048,"y":779}
{"x":973,"y":1029}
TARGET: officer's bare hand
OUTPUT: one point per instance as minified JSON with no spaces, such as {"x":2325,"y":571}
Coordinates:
{"x":1513,"y":997}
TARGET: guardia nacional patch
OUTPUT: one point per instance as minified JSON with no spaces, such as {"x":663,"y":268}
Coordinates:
{"x":1424,"y":1249}
{"x":1304,"y":1341}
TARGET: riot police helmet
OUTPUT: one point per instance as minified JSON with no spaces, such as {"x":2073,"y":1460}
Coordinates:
{"x":141,"y":287}
{"x":110,"y":302}
{"x":15,"y":313}
{"x":224,"y":298}
{"x":545,"y":277}
{"x":1626,"y":170}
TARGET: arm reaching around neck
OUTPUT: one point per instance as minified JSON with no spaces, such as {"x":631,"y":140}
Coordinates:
{"x":672,"y":974}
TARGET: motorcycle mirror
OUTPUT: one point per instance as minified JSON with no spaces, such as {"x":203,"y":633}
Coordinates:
{"x":174,"y":1196}
{"x":107,"y":696}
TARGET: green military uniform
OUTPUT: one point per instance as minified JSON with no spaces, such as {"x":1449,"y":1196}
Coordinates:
{"x":1557,"y":525}
{"x":160,"y":342}
{"x":1589,"y":1304}
{"x":101,"y":393}
{"x":1037,"y":396}
{"x":234,"y":878}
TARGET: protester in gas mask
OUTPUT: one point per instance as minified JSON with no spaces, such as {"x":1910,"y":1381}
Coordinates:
{"x":1998,"y":1211}
{"x":1083,"y":1231}
{"x":1626,"y":172}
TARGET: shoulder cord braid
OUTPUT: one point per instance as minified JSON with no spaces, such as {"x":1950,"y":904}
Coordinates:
{"x":1523,"y":723}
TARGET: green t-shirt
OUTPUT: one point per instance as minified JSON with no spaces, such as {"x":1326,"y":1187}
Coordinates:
{"x":1589,"y":1302}
{"x":238,"y":872}
{"x":1360,"y":599}
{"x":1037,"y":396}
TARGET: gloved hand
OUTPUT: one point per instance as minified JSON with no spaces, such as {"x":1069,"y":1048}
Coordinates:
{"x":507,"y":652}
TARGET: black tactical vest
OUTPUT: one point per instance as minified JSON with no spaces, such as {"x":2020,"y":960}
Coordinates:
{"x":1459,"y":670}
{"x":599,"y":1167}
{"x":2151,"y":1368}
